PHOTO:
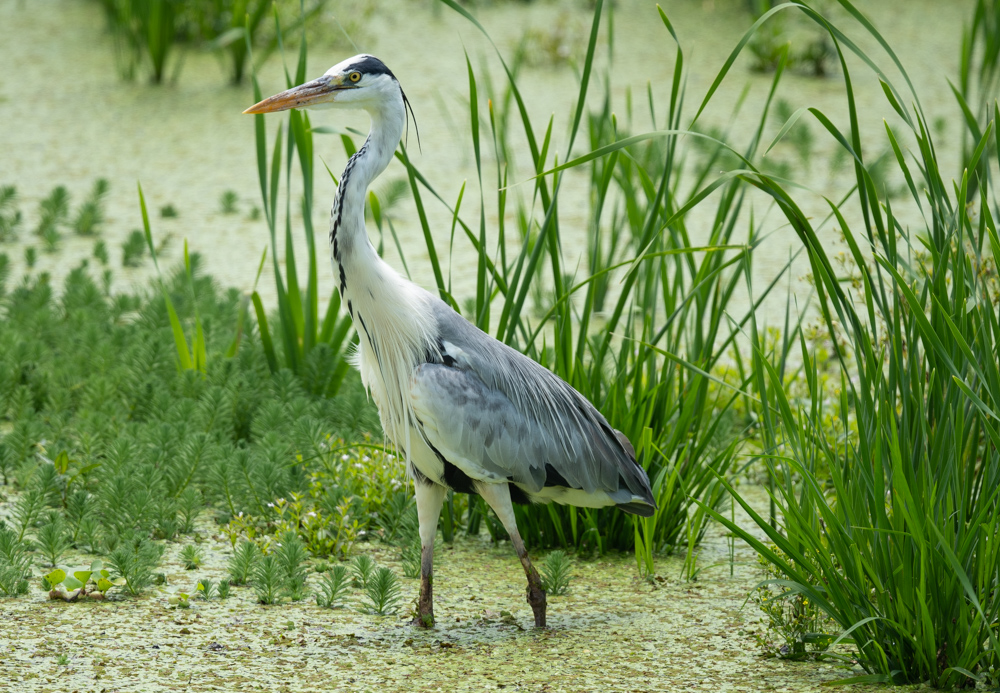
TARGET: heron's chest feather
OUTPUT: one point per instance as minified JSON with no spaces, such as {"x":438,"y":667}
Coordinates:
{"x":394,"y":334}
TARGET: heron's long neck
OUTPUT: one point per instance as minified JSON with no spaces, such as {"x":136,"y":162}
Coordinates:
{"x":348,"y":239}
{"x":390,"y":314}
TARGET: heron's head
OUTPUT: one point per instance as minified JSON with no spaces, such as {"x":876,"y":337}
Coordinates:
{"x":361,"y":82}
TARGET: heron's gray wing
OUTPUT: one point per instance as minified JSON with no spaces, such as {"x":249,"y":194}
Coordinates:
{"x":498,"y":415}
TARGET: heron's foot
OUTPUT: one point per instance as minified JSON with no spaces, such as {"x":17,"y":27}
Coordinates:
{"x":536,"y":599}
{"x":425,"y":605}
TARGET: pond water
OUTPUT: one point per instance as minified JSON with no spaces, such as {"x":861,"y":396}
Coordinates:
{"x":611,"y":632}
{"x":66,"y":119}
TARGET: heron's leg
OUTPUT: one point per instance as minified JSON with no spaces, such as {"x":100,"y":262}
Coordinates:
{"x":430,"y":498}
{"x":498,"y":498}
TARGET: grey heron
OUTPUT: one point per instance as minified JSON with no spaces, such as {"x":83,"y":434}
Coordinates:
{"x":466,"y":411}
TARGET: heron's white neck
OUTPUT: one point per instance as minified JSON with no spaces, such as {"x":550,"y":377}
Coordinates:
{"x":347,"y":223}
{"x":390,"y":314}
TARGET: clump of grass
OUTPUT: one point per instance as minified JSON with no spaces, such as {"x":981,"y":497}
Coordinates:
{"x":269,"y":579}
{"x":555,"y":573}
{"x":241,"y":563}
{"x":52,"y":539}
{"x":30,"y":256}
{"x":168,"y":212}
{"x":133,"y":249}
{"x":223,"y":589}
{"x":332,"y":586}
{"x":28,"y":509}
{"x":192,"y":556}
{"x":292,"y":555}
{"x":189,"y":504}
{"x":52,"y":214}
{"x":15,"y":563}
{"x":90,"y":215}
{"x":890,"y":527}
{"x":382,"y":592}
{"x":362,"y":569}
{"x":10,"y":216}
{"x":207,"y":588}
{"x":101,"y":253}
{"x":227,"y":203}
{"x":134,"y":560}
{"x":796,"y":628}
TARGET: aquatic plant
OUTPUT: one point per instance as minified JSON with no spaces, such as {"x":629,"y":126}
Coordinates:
{"x":90,"y":214}
{"x":556,"y":573}
{"x":10,"y":216}
{"x":100,"y":252}
{"x":15,"y":562}
{"x":362,"y":569}
{"x":134,"y":560}
{"x":914,"y":487}
{"x":307,"y":343}
{"x":269,"y":579}
{"x":207,"y":588}
{"x":796,"y":629}
{"x":291,"y":554}
{"x":133,"y":249}
{"x":192,"y":556}
{"x":51,"y":538}
{"x":382,"y":593}
{"x":27,"y":509}
{"x":223,"y":589}
{"x":241,"y":563}
{"x":227,"y":202}
{"x":52,"y":214}
{"x":332,"y":587}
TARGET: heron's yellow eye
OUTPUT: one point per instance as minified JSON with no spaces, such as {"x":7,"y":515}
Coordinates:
{"x":354,"y":77}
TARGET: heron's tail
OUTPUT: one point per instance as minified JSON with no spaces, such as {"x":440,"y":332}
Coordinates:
{"x":637,"y":507}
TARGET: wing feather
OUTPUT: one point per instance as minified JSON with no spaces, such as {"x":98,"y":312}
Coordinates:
{"x":498,"y":415}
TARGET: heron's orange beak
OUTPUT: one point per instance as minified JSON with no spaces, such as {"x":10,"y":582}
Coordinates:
{"x":322,"y":90}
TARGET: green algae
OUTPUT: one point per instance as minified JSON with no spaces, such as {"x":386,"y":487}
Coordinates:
{"x":613,"y":631}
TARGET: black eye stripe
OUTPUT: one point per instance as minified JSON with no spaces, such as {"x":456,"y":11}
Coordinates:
{"x":370,"y":65}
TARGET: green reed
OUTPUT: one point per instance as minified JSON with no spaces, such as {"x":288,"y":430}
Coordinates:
{"x":308,"y":344}
{"x":899,"y":545}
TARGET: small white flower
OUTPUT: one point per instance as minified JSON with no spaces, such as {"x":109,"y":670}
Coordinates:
{"x":310,"y":514}
{"x":270,"y":505}
{"x":345,"y":457}
{"x":366,"y":458}
{"x":241,"y":514}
